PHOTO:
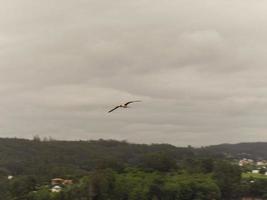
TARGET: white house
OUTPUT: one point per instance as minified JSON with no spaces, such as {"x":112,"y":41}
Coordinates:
{"x":56,"y":188}
{"x":255,"y":171}
{"x":260,"y":163}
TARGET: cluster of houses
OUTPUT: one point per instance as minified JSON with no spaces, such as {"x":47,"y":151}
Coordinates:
{"x":246,"y":161}
{"x":256,"y":165}
{"x":59,"y":183}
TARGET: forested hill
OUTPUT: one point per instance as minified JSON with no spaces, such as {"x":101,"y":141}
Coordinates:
{"x":111,"y":167}
{"x":254,"y":150}
{"x":20,"y":156}
{"x":50,"y":158}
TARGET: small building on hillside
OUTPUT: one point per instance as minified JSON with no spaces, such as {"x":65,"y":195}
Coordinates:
{"x":245,"y":161}
{"x":260,"y":163}
{"x":67,"y":182}
{"x":255,"y":171}
{"x":56,"y":188}
{"x":61,"y":181}
{"x":57,"y":181}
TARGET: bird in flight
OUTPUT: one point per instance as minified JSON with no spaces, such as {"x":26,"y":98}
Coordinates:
{"x":123,"y":105}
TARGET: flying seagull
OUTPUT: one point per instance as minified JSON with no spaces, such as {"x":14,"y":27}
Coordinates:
{"x":123,"y":105}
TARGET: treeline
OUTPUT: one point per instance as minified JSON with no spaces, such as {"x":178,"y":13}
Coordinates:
{"x":135,"y":185}
{"x":51,"y":158}
{"x":216,"y":180}
{"x":222,"y":182}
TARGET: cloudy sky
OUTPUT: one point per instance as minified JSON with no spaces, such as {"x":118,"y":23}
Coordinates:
{"x":200,"y":68}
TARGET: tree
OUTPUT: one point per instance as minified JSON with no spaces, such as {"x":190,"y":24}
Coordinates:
{"x":262,"y":170}
{"x":36,"y":138}
{"x":101,"y":184}
{"x":42,"y":194}
{"x":158,"y":161}
{"x":188,"y":187}
{"x":207,"y":165}
{"x":20,"y":187}
{"x":228,"y":177}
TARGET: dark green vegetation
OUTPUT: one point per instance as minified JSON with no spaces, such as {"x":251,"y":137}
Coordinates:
{"x":112,"y":170}
{"x":256,"y":150}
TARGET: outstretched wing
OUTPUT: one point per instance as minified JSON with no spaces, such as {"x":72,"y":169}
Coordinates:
{"x":114,"y":109}
{"x":131,"y":102}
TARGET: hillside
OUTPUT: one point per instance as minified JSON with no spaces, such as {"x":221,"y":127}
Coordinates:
{"x":20,"y":156}
{"x":111,"y":167}
{"x":254,"y":150}
{"x":51,"y":158}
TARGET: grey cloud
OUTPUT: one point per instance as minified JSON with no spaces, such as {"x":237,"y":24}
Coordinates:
{"x":199,"y":68}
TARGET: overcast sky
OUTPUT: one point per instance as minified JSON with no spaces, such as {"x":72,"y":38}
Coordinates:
{"x":200,"y":68}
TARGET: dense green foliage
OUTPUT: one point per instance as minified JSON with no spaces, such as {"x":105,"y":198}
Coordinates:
{"x":57,"y":158}
{"x":137,"y":185}
{"x":112,"y":170}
